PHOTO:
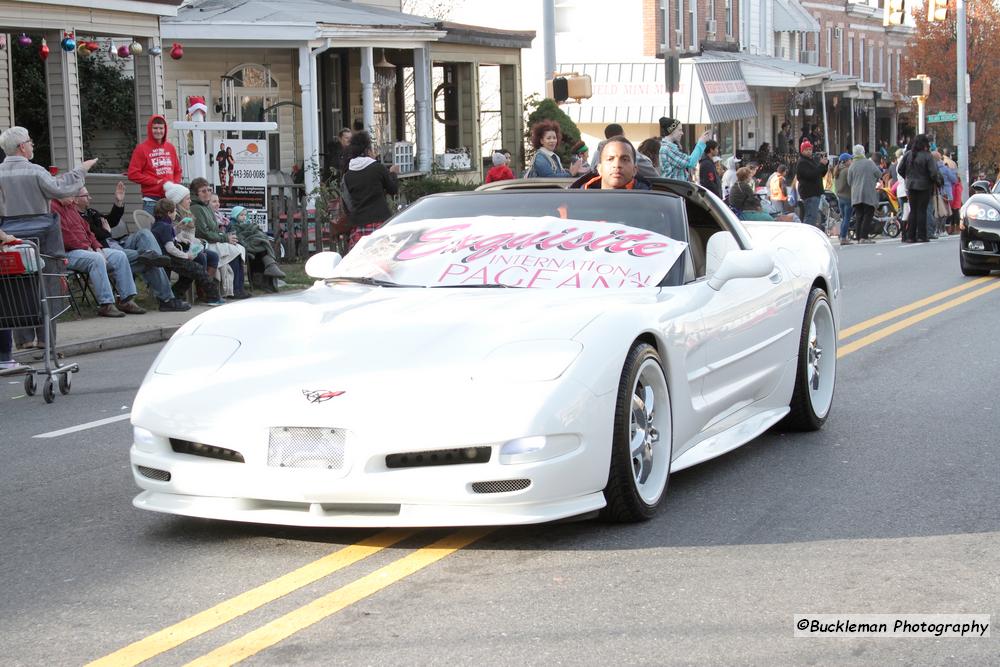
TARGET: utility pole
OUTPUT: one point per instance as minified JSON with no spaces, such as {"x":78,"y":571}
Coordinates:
{"x":921,"y":115}
{"x":549,"y":38}
{"x":962,"y":127}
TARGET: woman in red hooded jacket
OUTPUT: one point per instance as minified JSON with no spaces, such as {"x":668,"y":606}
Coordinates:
{"x":154,"y":163}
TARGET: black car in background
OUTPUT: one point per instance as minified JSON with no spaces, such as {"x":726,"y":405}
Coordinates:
{"x":979,"y":246}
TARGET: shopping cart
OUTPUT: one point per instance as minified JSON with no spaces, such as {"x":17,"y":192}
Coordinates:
{"x":24,"y":302}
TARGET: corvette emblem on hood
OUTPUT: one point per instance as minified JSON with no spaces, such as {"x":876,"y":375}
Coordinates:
{"x":320,"y":395}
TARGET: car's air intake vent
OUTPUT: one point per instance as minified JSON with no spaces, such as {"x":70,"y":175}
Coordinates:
{"x":439,"y":457}
{"x":153,"y":473}
{"x":208,"y":451}
{"x":501,"y":486}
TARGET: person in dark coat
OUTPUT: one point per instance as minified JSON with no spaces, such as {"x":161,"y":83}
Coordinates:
{"x":810,"y":173}
{"x":708,"y":175}
{"x":920,"y":170}
{"x":364,"y":188}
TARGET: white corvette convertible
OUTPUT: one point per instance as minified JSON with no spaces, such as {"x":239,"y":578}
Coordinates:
{"x":497,"y":357}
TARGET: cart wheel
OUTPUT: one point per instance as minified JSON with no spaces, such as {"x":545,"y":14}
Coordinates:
{"x":48,"y":391}
{"x":29,"y":384}
{"x":65,"y":381}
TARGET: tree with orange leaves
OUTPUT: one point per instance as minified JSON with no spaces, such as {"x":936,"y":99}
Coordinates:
{"x":931,"y":51}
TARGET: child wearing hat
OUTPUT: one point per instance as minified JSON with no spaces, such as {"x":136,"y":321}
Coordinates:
{"x":181,"y":262}
{"x":264,"y":269}
{"x":499,"y":171}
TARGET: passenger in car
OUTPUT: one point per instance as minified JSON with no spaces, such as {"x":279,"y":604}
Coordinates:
{"x":616,"y":168}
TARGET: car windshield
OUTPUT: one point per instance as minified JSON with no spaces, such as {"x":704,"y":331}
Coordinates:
{"x":526,"y":239}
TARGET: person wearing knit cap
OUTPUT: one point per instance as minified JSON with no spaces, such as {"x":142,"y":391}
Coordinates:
{"x":810,"y":173}
{"x":674,"y":162}
{"x":863,"y":177}
{"x":264,"y":269}
{"x":177,"y":193}
{"x":154,"y":163}
{"x":499,"y":171}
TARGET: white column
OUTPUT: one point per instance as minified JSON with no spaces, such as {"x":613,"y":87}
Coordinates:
{"x":313,"y":157}
{"x":962,"y":138}
{"x":367,"y":89}
{"x":422,"y":109}
{"x":309,"y":151}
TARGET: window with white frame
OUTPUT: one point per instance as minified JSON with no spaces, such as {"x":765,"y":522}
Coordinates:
{"x":871,"y":62}
{"x":861,"y":58}
{"x":840,"y":47}
{"x":899,"y":71}
{"x":850,"y":56}
{"x":678,"y":21}
{"x":729,"y":18}
{"x":829,"y":48}
{"x":692,"y":22}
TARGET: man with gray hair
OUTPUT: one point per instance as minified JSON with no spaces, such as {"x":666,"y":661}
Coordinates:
{"x":26,"y":190}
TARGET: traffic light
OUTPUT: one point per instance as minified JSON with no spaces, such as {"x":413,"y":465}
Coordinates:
{"x":558,"y":89}
{"x":565,"y":86}
{"x":937,"y":10}
{"x":895,"y":12}
{"x":919,"y":86}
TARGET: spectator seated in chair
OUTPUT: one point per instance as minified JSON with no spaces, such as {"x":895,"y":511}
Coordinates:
{"x":224,"y":245}
{"x":181,"y":262}
{"x":140,"y":247}
{"x":263,"y":265}
{"x":86,"y":255}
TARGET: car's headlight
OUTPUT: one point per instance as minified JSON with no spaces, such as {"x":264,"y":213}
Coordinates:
{"x":196,"y":355}
{"x":978,"y":211}
{"x":529,"y":361}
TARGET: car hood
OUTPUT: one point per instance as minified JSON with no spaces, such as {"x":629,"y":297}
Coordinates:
{"x":363,"y":329}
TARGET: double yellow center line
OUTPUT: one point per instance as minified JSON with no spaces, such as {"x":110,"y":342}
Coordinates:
{"x":864,"y":341}
{"x":272,"y":633}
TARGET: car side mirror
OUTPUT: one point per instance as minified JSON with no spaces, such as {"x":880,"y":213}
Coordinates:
{"x":979,"y":188}
{"x":741,"y":264}
{"x":321,"y":265}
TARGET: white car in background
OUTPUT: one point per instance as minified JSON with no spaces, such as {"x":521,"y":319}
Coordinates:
{"x":510,"y":356}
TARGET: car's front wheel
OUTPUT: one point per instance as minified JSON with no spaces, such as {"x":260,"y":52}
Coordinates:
{"x":816,"y":373}
{"x":642,"y":443}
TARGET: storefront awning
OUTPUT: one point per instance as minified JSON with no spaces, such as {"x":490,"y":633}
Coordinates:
{"x":711,"y":91}
{"x":790,"y":16}
{"x":769,"y":72}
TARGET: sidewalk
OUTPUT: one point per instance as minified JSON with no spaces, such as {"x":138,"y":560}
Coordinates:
{"x":96,"y":334}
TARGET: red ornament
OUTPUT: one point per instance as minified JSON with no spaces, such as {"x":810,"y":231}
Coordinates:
{"x":93,"y":46}
{"x":123,"y":51}
{"x":43,"y":50}
{"x":177,"y":51}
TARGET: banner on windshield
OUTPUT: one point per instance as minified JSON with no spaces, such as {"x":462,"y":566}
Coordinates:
{"x":546,"y":252}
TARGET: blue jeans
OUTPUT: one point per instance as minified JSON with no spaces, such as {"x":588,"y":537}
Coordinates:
{"x":93,"y":263}
{"x":148,"y":206}
{"x":144,"y":241}
{"x":810,"y":206}
{"x":845,"y":216}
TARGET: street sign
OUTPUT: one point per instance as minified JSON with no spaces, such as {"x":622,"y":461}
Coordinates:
{"x":942,"y":117}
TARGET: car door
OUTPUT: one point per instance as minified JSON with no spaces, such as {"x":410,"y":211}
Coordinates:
{"x":752,"y":333}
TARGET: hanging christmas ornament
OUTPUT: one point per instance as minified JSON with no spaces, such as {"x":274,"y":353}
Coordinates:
{"x":123,"y":51}
{"x":177,"y":51}
{"x":43,"y":50}
{"x":3,"y":42}
{"x":24,"y":40}
{"x":83,"y":51}
{"x":155,"y":50}
{"x":93,"y":47}
{"x":111,"y":50}
{"x":68,"y":43}
{"x":135,"y":48}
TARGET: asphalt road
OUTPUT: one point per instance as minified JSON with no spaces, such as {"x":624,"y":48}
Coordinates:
{"x":892,"y":508}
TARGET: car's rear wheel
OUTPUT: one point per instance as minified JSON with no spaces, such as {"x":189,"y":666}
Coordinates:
{"x":967,"y":269}
{"x":642,"y":443}
{"x":816,"y":373}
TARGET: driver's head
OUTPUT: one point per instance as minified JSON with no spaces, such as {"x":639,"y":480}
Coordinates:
{"x":616,"y":163}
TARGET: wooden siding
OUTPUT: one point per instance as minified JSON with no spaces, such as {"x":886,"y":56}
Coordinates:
{"x":394,"y":5}
{"x":65,"y":127}
{"x":467,"y":79}
{"x":29,"y":16}
{"x":6,"y":89}
{"x":481,"y":55}
{"x":210,"y":64}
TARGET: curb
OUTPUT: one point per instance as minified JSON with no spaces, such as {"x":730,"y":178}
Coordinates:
{"x":104,"y":344}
